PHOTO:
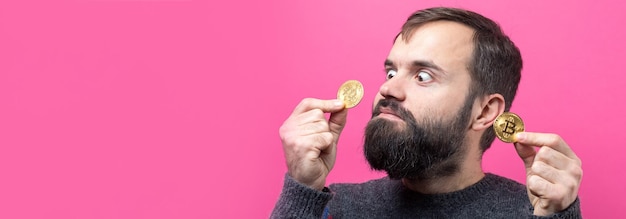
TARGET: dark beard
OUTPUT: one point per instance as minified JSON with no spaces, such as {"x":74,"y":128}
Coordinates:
{"x":432,"y":149}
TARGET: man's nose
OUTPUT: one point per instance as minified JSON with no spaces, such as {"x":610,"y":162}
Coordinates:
{"x":393,"y":88}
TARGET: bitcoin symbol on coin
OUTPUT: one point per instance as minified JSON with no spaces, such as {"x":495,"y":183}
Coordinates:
{"x":351,"y":93}
{"x":507,"y":125}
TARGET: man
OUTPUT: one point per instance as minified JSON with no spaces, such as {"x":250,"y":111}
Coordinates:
{"x":449,"y":74}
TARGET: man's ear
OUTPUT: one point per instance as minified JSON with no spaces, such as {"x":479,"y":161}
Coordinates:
{"x":491,"y":107}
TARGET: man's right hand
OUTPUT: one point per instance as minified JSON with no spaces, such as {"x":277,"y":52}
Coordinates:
{"x":310,"y":141}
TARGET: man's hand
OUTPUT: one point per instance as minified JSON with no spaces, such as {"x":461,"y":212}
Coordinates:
{"x":553,"y":173}
{"x":310,"y":141}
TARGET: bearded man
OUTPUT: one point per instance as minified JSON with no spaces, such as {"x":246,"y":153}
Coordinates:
{"x":449,"y":74}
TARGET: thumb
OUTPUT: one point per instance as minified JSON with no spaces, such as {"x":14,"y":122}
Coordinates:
{"x":337,"y":121}
{"x":527,"y":153}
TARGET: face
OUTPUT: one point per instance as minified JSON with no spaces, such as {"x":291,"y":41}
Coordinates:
{"x":422,"y":111}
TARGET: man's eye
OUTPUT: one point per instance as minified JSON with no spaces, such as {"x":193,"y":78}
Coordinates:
{"x":391,"y":73}
{"x":422,"y":76}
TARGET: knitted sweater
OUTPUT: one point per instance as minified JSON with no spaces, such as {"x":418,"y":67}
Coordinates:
{"x":492,"y":197}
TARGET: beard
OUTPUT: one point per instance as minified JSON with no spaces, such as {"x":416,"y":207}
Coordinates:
{"x":431,"y":149}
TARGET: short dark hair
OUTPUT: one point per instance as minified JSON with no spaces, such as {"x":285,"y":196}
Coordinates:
{"x":496,"y":64}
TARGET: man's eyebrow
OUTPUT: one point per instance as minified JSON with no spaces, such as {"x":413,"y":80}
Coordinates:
{"x":427,"y":64}
{"x":388,"y":62}
{"x":418,"y":63}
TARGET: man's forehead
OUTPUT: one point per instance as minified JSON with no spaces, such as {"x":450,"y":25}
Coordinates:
{"x":445,"y":43}
{"x":443,"y":27}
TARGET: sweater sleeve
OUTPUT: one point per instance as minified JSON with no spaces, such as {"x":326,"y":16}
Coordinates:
{"x":300,"y":201}
{"x":573,"y":211}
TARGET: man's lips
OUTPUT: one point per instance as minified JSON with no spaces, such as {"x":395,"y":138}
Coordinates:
{"x":388,"y":113}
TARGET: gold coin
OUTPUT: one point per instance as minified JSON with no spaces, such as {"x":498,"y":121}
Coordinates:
{"x":351,"y":93}
{"x":507,"y":125}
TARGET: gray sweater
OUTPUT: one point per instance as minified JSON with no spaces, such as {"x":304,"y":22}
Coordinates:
{"x":492,"y":197}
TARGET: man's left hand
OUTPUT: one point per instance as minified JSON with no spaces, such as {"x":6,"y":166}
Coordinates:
{"x":553,"y":173}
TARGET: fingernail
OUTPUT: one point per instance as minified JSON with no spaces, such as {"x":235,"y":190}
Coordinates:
{"x":520,"y":136}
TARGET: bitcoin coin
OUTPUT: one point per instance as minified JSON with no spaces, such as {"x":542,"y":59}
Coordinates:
{"x":507,"y":125}
{"x":351,"y":93}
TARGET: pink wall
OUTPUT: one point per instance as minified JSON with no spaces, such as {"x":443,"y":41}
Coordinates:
{"x":171,"y":109}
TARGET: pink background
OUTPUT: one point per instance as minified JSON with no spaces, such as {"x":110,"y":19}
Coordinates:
{"x":171,"y":109}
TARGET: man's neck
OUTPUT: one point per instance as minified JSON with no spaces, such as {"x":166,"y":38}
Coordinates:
{"x":470,"y":173}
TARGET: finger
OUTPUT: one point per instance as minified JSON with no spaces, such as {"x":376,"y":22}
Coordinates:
{"x":527,"y":153}
{"x":312,"y":115}
{"x":539,"y":186}
{"x":566,"y":171}
{"x":552,"y":197}
{"x":327,"y":106}
{"x":337,"y":121}
{"x":543,"y":139}
{"x":547,"y":172}
{"x":319,"y":141}
{"x":309,"y":146}
{"x":313,"y":128}
{"x":553,"y":158}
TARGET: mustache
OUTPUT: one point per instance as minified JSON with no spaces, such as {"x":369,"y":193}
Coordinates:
{"x":395,"y":107}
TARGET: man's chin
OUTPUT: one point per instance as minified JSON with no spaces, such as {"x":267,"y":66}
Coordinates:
{"x":390,"y":121}
{"x":413,"y":175}
{"x":410,"y":176}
